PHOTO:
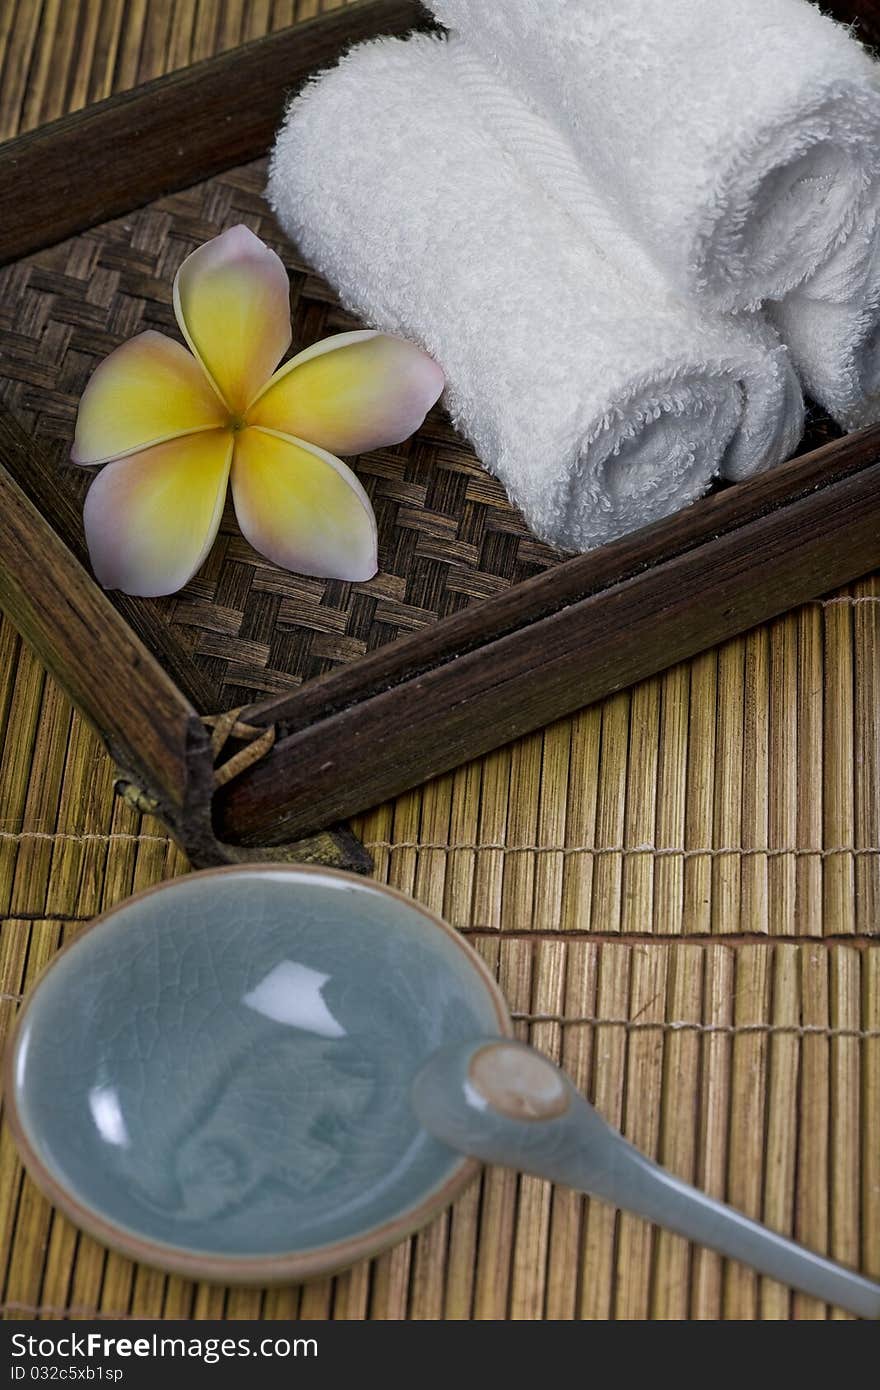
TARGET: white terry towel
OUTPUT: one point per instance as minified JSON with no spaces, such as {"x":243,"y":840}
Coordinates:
{"x":598,"y":405}
{"x":736,"y":137}
{"x":832,"y":326}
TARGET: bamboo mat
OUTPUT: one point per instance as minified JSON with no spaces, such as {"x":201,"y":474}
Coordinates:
{"x":679,"y":889}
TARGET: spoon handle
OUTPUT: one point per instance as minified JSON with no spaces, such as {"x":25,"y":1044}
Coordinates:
{"x":642,"y":1187}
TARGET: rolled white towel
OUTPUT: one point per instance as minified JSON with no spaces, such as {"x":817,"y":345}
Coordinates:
{"x":600,"y":404}
{"x":832,"y":326}
{"x":736,"y":137}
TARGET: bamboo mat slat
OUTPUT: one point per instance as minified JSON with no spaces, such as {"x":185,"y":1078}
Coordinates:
{"x":678,"y":889}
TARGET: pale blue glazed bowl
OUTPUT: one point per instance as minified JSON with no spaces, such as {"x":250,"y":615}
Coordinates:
{"x":214,"y":1077}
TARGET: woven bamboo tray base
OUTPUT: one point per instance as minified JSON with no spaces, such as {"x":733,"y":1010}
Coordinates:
{"x":679,"y":889}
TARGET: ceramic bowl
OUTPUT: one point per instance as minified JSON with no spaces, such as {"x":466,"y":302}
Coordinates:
{"x":214,"y":1077}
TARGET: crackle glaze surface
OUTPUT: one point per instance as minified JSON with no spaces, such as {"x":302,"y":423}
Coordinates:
{"x":224,"y":1066}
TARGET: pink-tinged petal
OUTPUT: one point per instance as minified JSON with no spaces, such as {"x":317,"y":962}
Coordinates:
{"x":232,"y":301}
{"x":302,"y":508}
{"x":151,"y":518}
{"x":148,"y":390}
{"x":351,"y":393}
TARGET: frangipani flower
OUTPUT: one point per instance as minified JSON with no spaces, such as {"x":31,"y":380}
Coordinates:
{"x":174,"y":426}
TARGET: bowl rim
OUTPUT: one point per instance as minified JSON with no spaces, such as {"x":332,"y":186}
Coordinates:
{"x":288,"y":1266}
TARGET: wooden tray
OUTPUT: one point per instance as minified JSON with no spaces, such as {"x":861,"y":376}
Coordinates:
{"x":257,"y":708}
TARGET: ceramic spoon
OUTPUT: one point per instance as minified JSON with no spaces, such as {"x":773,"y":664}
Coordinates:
{"x":502,"y":1102}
